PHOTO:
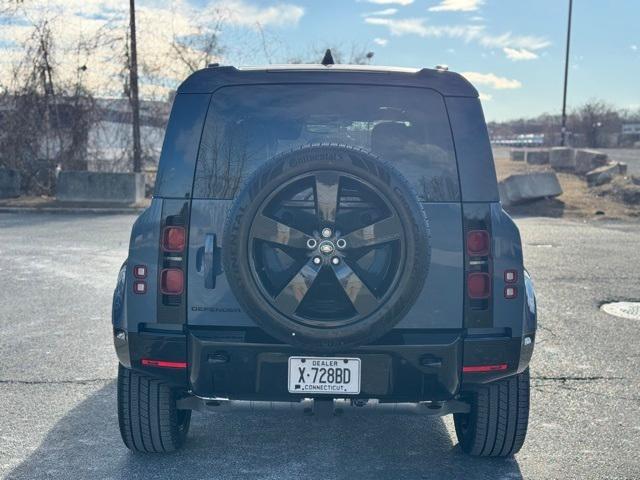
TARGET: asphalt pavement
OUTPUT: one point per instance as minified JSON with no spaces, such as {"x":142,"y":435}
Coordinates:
{"x":57,"y":373}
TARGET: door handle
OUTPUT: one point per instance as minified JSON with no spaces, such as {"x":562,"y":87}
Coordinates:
{"x":209,"y":260}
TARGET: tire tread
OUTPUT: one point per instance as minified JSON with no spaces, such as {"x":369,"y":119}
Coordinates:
{"x":497,"y":423}
{"x":147,"y":414}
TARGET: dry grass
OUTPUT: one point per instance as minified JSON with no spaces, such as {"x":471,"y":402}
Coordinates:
{"x":577,"y":200}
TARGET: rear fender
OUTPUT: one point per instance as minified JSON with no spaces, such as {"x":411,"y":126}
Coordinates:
{"x":511,"y":336}
{"x":529,"y":324}
{"x":143,"y":250}
{"x":507,"y":256}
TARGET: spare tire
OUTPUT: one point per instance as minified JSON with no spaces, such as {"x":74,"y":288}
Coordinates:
{"x":326,"y":247}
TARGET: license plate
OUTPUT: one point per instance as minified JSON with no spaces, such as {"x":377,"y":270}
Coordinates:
{"x":328,"y":375}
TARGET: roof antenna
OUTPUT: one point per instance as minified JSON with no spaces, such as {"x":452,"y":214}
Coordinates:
{"x":328,"y":58}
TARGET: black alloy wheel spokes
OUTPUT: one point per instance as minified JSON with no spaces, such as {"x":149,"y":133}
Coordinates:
{"x":270,"y":230}
{"x":314,"y":275}
{"x":327,"y":189}
{"x":384,"y":231}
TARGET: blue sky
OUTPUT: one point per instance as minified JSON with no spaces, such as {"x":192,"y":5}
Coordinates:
{"x":512,"y":50}
{"x":605,"y":50}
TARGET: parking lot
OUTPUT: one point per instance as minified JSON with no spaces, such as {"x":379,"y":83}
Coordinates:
{"x":57,"y":377}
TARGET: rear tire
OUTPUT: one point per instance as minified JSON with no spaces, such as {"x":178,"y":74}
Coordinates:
{"x":147,"y":415}
{"x":496,"y":426}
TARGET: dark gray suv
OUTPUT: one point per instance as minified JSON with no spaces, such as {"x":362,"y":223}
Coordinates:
{"x":329,"y":238}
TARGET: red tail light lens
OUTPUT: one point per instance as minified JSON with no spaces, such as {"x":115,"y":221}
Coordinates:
{"x":478,"y":243}
{"x":173,"y":239}
{"x":478,"y":285}
{"x":172,"y":281}
{"x":147,"y":362}
{"x":485,"y":368}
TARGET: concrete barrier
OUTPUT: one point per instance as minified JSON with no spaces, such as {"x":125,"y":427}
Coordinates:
{"x":526,"y":187}
{"x":538,"y":156}
{"x":562,"y":158}
{"x":88,"y":187}
{"x":605,"y":173}
{"x":9,"y":183}
{"x":517,"y":154}
{"x":587,"y":160}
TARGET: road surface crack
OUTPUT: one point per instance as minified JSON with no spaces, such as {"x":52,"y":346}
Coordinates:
{"x":565,"y":383}
{"x":568,"y":378}
{"x":79,"y":381}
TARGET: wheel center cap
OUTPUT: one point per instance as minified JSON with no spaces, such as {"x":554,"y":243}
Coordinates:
{"x":327,"y":247}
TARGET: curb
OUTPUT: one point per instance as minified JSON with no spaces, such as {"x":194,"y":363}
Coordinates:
{"x":74,"y":210}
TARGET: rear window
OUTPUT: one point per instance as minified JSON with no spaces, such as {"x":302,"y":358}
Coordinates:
{"x":247,"y":125}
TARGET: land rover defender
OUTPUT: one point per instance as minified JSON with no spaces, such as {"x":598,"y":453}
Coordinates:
{"x":325,"y":236}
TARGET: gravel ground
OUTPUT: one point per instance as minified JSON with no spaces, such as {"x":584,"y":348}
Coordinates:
{"x":57,"y":379}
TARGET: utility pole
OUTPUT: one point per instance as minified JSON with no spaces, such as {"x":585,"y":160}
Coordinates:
{"x":563,"y":132}
{"x":133,"y":95}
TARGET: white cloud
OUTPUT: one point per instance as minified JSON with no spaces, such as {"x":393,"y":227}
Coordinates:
{"x":381,"y":41}
{"x":519,"y":54}
{"x":507,"y":39}
{"x":456,"y":6}
{"x":634,"y":47}
{"x":467,"y":33}
{"x":404,"y":3}
{"x":491,"y":80}
{"x":485,"y":97}
{"x":383,"y":13}
{"x":401,"y":26}
{"x":241,"y":13}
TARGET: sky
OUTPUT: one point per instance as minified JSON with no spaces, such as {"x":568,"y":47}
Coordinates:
{"x":511,"y":50}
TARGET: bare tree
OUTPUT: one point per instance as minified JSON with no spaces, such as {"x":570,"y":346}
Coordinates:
{"x":198,"y":50}
{"x":594,"y":119}
{"x":10,"y":7}
{"x":45,"y":119}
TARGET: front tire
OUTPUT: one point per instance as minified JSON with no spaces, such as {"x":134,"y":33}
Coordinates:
{"x":496,"y":426}
{"x":147,"y":414}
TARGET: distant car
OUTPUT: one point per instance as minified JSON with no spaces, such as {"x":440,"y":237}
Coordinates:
{"x":325,"y":236}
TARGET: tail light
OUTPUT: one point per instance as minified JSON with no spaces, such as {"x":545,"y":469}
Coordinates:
{"x":172,"y":278}
{"x":140,"y":271}
{"x":478,"y":258}
{"x":139,"y":284}
{"x":172,"y":281}
{"x":500,"y":367}
{"x":139,"y":287}
{"x":478,"y":244}
{"x":478,"y":285}
{"x":510,"y":292}
{"x":147,"y":362}
{"x":174,"y":239}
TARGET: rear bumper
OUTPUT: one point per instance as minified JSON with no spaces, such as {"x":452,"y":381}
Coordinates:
{"x":407,"y":367}
{"x":258,"y":371}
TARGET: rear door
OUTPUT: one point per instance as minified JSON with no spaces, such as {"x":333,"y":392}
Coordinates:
{"x":246,"y":126}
